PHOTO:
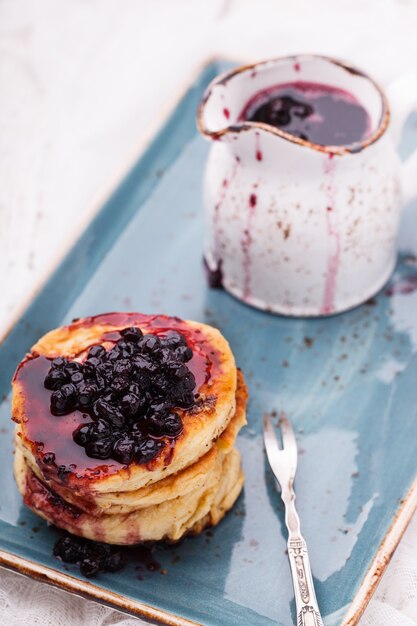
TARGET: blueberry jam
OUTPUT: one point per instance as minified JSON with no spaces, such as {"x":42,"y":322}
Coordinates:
{"x":91,"y":556}
{"x":321,"y":114}
{"x":127,"y":394}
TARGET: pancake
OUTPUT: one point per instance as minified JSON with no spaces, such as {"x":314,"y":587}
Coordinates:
{"x":42,"y":433}
{"x":169,"y":520}
{"x":166,"y":389}
{"x":193,"y":477}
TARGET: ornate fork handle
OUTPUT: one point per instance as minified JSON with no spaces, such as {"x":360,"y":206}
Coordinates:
{"x":308,"y":613}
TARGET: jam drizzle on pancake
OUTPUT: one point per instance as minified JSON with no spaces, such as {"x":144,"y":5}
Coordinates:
{"x":51,"y":437}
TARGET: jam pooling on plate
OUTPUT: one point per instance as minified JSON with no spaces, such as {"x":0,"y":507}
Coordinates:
{"x":52,"y":435}
{"x":92,"y":557}
{"x":317,"y":113}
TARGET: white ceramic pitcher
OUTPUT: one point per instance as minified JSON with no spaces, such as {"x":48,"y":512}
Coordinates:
{"x":298,"y":228}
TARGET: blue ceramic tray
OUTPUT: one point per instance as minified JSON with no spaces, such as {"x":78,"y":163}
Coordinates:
{"x":347,"y":382}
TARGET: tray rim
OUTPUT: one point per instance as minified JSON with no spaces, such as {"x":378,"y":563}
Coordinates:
{"x":90,"y":591}
{"x":386,"y":549}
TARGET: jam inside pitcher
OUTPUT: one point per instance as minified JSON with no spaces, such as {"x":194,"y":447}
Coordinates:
{"x":318,"y":113}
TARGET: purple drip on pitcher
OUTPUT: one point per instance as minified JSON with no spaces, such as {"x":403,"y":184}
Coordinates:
{"x":246,"y":245}
{"x":333,"y":259}
{"x":258,"y":151}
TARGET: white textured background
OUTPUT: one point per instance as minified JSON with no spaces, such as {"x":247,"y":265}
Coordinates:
{"x":83,"y":86}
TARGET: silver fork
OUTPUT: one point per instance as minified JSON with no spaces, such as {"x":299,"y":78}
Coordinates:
{"x":283,"y":463}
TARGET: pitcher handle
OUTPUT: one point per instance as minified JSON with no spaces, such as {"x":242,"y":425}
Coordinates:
{"x":402,"y":95}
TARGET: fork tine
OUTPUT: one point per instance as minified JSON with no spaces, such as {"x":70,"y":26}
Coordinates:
{"x":270,"y":437}
{"x":283,"y":461}
{"x":289,"y":441}
{"x":287,"y":432}
{"x":273,"y":451}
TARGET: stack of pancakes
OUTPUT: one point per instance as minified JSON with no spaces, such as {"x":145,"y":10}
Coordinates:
{"x":191,"y":483}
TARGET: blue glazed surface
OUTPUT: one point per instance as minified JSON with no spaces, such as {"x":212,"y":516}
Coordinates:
{"x":348,"y":383}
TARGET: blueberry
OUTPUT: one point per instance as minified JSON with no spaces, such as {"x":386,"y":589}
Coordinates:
{"x":177,"y":371}
{"x":188,"y":381}
{"x":99,"y":550}
{"x":100,"y":430}
{"x":147,"y":450}
{"x":89,"y":370}
{"x":161,"y":408}
{"x":144,"y":399}
{"x":114,"y":354}
{"x":124,"y":450}
{"x":114,"y":562}
{"x":86,"y":394}
{"x":165,"y":356}
{"x":83,"y":434}
{"x":127,"y":348}
{"x":132,"y":334}
{"x":120,"y":385}
{"x":96,"y":351}
{"x":183,"y":353}
{"x":55,"y":379}
{"x":160,"y":382}
{"x":100,"y":381}
{"x":105,"y":370}
{"x":48,"y":458}
{"x":109,"y":396}
{"x":94,"y":361}
{"x":123,"y":367}
{"x":72,"y":366}
{"x":134,"y":388}
{"x":89,"y":567}
{"x":181,"y":397}
{"x":172,"y":425}
{"x":155,"y":425}
{"x":159,"y":425}
{"x":174,"y":340}
{"x":100,"y":449}
{"x":149,"y":344}
{"x":136,"y":431}
{"x":59,"y":362}
{"x":145,"y":363}
{"x":77,"y":378}
{"x":130,"y":404}
{"x":143,"y":380}
{"x":63,"y":400}
{"x":108,"y":412}
{"x":68,"y":549}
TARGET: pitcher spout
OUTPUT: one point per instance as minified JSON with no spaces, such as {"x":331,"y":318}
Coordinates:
{"x":218,"y":112}
{"x":222,"y":113}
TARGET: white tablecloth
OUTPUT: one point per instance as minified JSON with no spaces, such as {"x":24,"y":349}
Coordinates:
{"x":83,"y":86}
